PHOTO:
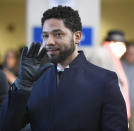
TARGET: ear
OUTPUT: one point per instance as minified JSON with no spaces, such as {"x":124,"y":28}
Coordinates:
{"x":77,"y":37}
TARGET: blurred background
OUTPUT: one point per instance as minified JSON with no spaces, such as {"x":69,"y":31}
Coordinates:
{"x":12,"y":25}
{"x":114,"y":14}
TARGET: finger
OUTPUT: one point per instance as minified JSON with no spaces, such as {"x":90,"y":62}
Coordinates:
{"x":31,"y":50}
{"x":24,"y":51}
{"x":42,"y":53}
{"x":37,"y":48}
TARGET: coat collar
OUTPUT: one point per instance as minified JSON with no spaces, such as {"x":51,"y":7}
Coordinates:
{"x":79,"y":59}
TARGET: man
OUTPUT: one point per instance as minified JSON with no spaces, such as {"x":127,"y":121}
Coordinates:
{"x":85,"y":97}
{"x":128,"y":65}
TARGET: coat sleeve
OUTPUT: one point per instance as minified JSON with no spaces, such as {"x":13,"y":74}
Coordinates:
{"x":114,"y":115}
{"x":3,"y":87}
{"x":14,"y":113}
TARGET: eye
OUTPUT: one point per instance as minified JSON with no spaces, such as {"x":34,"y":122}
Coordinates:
{"x":45,"y":36}
{"x":58,"y":34}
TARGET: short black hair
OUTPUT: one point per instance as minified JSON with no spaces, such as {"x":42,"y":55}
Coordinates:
{"x":69,"y":16}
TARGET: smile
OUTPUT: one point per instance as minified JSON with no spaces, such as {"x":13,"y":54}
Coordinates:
{"x":52,"y":51}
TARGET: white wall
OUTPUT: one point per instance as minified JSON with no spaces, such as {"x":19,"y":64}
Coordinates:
{"x":89,"y":11}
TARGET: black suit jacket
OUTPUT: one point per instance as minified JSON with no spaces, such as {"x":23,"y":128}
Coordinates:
{"x":87,"y":98}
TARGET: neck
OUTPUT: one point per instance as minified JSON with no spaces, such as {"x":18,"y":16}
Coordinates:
{"x":69,"y":59}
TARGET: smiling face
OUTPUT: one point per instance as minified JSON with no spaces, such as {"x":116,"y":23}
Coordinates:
{"x":59,"y":41}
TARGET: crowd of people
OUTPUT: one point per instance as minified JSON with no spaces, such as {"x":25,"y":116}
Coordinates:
{"x":83,"y":93}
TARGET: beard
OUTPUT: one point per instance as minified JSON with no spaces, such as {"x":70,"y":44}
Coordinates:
{"x":63,"y":54}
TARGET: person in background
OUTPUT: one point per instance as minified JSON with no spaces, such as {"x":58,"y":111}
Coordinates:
{"x":128,"y":65}
{"x":108,"y":56}
{"x":10,"y":65}
{"x":68,"y":94}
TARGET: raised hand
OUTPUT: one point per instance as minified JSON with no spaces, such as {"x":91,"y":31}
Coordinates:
{"x":29,"y":70}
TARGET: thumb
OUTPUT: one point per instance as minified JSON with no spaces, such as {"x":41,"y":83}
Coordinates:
{"x":42,"y":70}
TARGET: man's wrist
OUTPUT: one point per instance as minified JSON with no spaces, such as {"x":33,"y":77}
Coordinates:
{"x":23,"y":85}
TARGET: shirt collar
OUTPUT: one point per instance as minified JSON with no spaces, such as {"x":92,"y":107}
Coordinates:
{"x":61,"y":68}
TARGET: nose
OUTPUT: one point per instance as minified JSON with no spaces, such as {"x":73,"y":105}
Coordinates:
{"x":50,"y":41}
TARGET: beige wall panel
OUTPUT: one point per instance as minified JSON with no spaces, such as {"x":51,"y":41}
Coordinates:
{"x":117,"y":15}
{"x":12,"y":14}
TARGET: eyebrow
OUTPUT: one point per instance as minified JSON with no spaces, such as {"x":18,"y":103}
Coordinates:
{"x":56,"y":30}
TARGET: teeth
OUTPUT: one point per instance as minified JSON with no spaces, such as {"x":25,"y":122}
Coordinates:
{"x":51,"y":49}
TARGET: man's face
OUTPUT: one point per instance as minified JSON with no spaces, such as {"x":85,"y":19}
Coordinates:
{"x":58,"y":40}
